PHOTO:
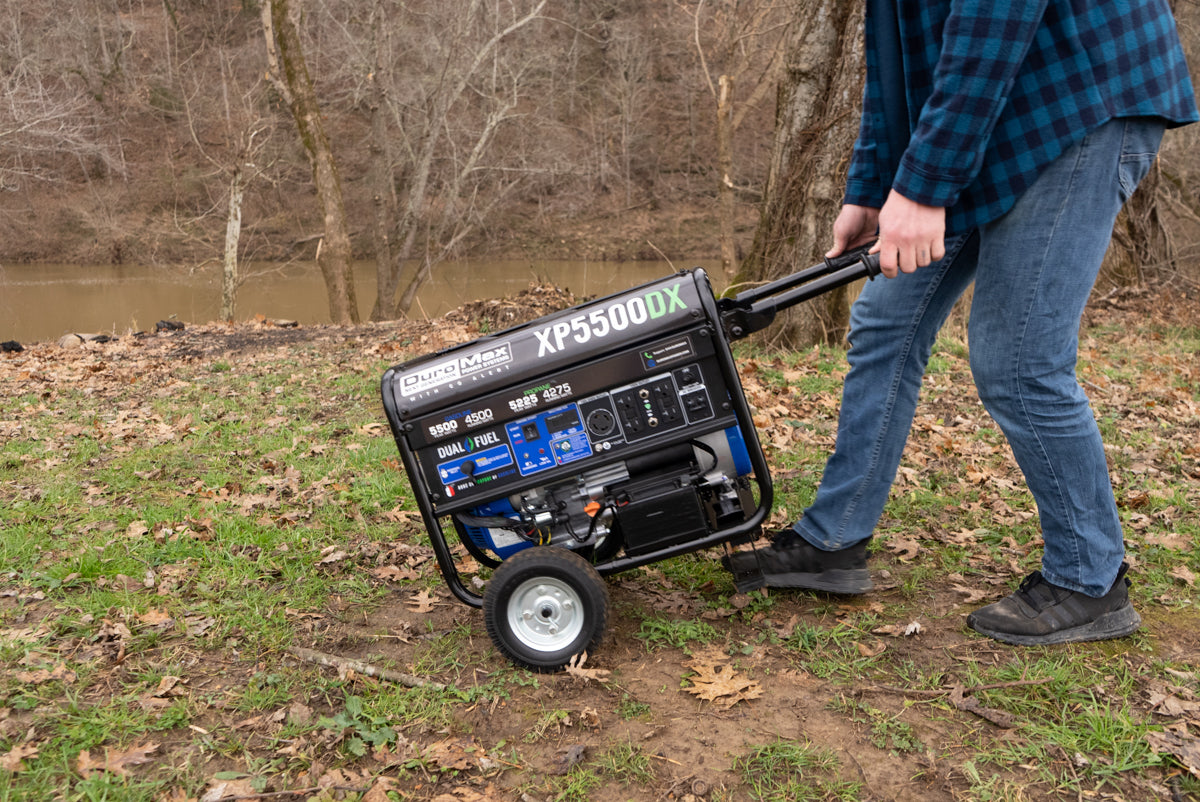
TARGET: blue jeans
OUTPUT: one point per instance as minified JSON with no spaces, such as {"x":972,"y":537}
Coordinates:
{"x":1033,"y":270}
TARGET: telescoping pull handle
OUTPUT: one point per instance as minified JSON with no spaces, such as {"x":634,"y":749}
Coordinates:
{"x":754,"y":310}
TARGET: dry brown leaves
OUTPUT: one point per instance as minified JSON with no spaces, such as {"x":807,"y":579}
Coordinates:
{"x":115,"y":762}
{"x":14,"y":759}
{"x":575,"y":669}
{"x":714,"y":680}
{"x":1180,"y":737}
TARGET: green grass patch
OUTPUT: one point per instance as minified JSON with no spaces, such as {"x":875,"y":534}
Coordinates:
{"x":787,"y":771}
{"x":676,"y":633}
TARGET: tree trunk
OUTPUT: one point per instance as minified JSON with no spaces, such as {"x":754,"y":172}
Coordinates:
{"x":819,"y":106}
{"x":233,"y":233}
{"x":289,"y":71}
{"x":725,"y":167}
{"x":383,"y":188}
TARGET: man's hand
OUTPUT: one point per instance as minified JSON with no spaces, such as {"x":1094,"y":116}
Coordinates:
{"x":911,"y":235}
{"x":855,"y":225}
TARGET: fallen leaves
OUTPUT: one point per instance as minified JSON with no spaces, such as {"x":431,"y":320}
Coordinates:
{"x":869,"y":650}
{"x":394,"y":573}
{"x":1177,"y":737}
{"x":1177,"y":740}
{"x":569,"y":757}
{"x":169,"y":688}
{"x":968,"y":703}
{"x":972,"y":595}
{"x":575,"y":669}
{"x":422,"y":602}
{"x":60,"y":673}
{"x":21,"y":636}
{"x":112,"y":639}
{"x":114,"y":762}
{"x":14,"y":759}
{"x":714,"y":680}
{"x":905,"y":549}
{"x":453,"y":754}
{"x":900,"y":630}
{"x":1184,"y":575}
{"x":232,"y":788}
{"x":465,"y":794}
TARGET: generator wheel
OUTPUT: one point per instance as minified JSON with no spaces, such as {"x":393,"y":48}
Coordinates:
{"x":544,"y":606}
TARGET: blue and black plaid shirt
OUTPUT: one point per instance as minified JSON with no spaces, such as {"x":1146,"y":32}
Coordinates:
{"x":994,"y":90}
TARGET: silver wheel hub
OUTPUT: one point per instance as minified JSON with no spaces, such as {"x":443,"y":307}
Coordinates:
{"x":545,"y":614}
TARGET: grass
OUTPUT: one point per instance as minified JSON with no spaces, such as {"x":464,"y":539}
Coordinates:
{"x":887,"y":731}
{"x":171,"y":528}
{"x":626,"y":763}
{"x":787,"y":771}
{"x":832,"y":651}
{"x":659,"y":632}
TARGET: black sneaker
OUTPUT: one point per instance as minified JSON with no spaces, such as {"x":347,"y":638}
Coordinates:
{"x":1041,"y":613}
{"x":792,"y":562}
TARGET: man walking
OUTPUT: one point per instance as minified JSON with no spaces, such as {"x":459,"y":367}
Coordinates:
{"x":998,"y":142}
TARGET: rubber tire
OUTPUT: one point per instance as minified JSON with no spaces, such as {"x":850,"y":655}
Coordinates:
{"x":568,"y":593}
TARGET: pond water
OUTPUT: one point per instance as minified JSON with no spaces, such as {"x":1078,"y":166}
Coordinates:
{"x":42,"y":302}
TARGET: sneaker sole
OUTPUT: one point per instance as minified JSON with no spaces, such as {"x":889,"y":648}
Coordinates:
{"x":1117,"y":624}
{"x":842,"y":581}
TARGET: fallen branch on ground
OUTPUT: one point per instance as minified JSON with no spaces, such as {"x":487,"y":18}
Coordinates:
{"x":345,"y":665}
{"x":962,"y":699}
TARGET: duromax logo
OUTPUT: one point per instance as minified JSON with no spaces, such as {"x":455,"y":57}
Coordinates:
{"x":427,"y":378}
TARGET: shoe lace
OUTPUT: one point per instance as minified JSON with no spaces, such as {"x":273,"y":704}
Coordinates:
{"x":785,"y":538}
{"x":1036,"y":591}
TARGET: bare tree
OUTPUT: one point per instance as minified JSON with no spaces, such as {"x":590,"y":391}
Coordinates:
{"x":419,"y":138}
{"x":628,"y":94}
{"x":747,"y":51}
{"x":38,"y":123}
{"x":236,"y":114}
{"x":47,"y":112}
{"x":288,"y":70}
{"x":819,"y":108}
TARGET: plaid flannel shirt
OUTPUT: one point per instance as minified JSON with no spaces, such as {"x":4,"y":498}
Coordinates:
{"x":996,"y":89}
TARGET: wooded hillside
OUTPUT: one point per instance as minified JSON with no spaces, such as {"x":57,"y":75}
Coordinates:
{"x":566,"y":129}
{"x":125,"y":119}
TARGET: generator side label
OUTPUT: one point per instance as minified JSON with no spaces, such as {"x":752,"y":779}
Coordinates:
{"x":667,"y":353}
{"x":480,"y":464}
{"x":611,"y":319}
{"x":535,"y":352}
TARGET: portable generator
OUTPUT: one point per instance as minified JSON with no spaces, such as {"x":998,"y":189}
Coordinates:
{"x":607,"y":436}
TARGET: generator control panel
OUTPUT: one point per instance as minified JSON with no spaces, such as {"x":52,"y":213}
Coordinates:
{"x":624,"y":404}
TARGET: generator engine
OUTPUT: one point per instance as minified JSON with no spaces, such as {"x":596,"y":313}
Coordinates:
{"x":603,"y":437}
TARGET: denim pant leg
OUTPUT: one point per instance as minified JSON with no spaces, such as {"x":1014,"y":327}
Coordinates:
{"x":893,"y":326}
{"x":1036,"y":268}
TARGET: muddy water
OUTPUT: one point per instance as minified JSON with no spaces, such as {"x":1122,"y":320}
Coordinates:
{"x":43,"y":302}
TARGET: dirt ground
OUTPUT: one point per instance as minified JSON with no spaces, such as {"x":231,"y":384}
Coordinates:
{"x":693,"y":743}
